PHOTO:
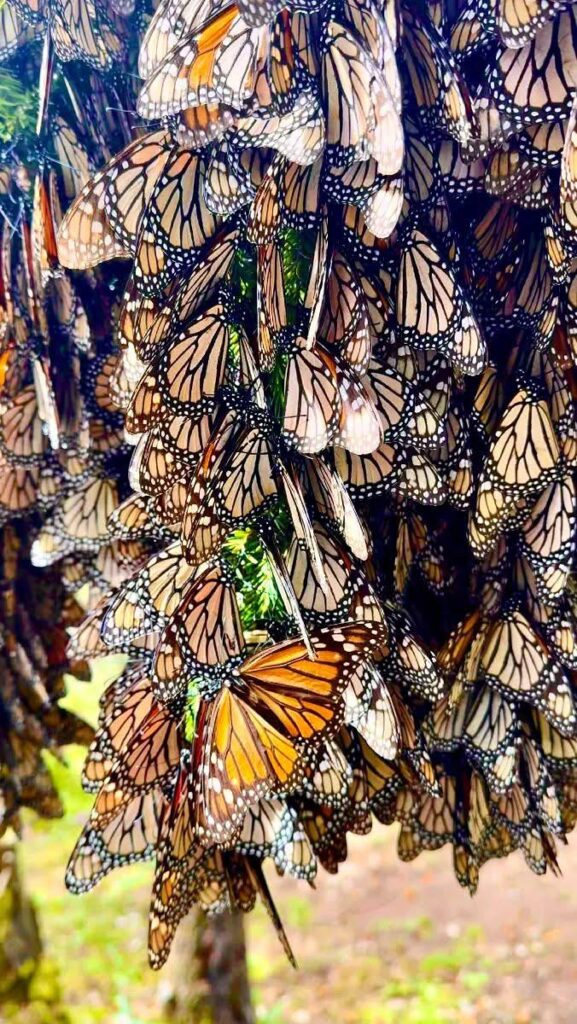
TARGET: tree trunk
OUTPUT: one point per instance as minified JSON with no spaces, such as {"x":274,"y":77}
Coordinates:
{"x":20,"y":943}
{"x":209,"y":978}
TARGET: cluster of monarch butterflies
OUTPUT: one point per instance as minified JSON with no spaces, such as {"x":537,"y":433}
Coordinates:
{"x":346,"y":346}
{"x":62,"y":449}
{"x":34,"y":613}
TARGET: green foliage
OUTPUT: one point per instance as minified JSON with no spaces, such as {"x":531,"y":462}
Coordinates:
{"x":277,"y":386}
{"x":297,"y":250}
{"x":191,"y":711}
{"x":439,"y":986}
{"x":18,"y":108}
{"x":244,"y":274}
{"x":258,"y":597}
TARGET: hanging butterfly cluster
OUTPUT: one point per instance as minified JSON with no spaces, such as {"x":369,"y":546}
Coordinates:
{"x":33,"y":660}
{"x":63,"y":458}
{"x":348,"y":352}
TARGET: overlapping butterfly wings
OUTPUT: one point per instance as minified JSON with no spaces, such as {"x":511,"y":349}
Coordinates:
{"x":79,"y":29}
{"x":420,"y":366}
{"x":34,"y":613}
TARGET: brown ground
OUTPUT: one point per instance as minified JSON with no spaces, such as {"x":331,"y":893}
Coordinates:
{"x":388,"y":941}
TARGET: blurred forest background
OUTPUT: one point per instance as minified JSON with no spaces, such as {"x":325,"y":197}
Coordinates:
{"x":381,"y":943}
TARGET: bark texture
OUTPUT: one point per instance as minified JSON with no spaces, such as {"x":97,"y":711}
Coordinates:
{"x":209,"y":979}
{"x":20,"y":943}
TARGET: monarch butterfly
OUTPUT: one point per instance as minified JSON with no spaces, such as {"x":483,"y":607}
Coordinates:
{"x":128,"y":838}
{"x":531,"y":297}
{"x":138,"y":314}
{"x":342,"y":314}
{"x":326,"y":403}
{"x":372,"y":115}
{"x":491,"y":736}
{"x":439,"y":89}
{"x":334,"y":505}
{"x":281,"y":182}
{"x":411,"y":540}
{"x":517,"y":23}
{"x":247,"y":739}
{"x":559,"y":751}
{"x":168,"y":454}
{"x":176,"y":211}
{"x":547,"y":536}
{"x":14,"y":32}
{"x":431,"y":312}
{"x":296,"y":858}
{"x":199,"y":126}
{"x":568,"y":183}
{"x":227,"y":183}
{"x":116,"y":561}
{"x":459,"y":177}
{"x":298,"y":134}
{"x":85,"y":640}
{"x":168,"y":25}
{"x":319,"y":603}
{"x":194,"y":292}
{"x":187,"y":874}
{"x":267,"y":829}
{"x":185,"y":377}
{"x":403,"y":472}
{"x":150,"y":598}
{"x":303,"y":528}
{"x":558,"y":629}
{"x":329,"y":776}
{"x":105,"y":220}
{"x":455,"y":459}
{"x":493,"y":236}
{"x":535,"y":83}
{"x":80,"y":522}
{"x":432,"y":823}
{"x":312,"y":404}
{"x":22,"y":439}
{"x":232,"y":484}
{"x":224,"y":67}
{"x":45,"y":215}
{"x":409,"y":661}
{"x":364,"y":246}
{"x":79,"y":31}
{"x":126,"y":706}
{"x":150,"y":758}
{"x":510,"y":174}
{"x":403,"y":417}
{"x":488,"y":402}
{"x":323,"y":826}
{"x":204,"y":633}
{"x":474,"y":26}
{"x":380,"y":198}
{"x":148,"y":202}
{"x":522,"y":459}
{"x":134,"y":518}
{"x":378,"y":723}
{"x":179,"y":881}
{"x":360,"y":427}
{"x":73,"y":161}
{"x":516,"y":660}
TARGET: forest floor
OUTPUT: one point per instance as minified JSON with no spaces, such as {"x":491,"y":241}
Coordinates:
{"x":380,"y":943}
